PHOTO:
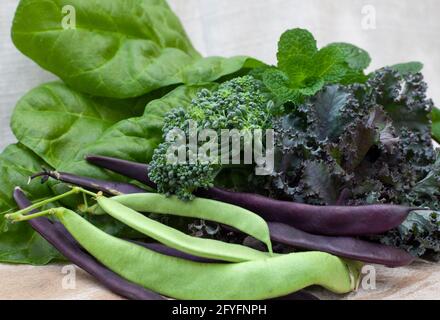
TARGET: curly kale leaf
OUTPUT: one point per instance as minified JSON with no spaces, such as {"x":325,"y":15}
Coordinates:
{"x":329,"y":107}
{"x":363,"y":144}
{"x":419,"y":234}
{"x":241,"y":104}
{"x":303,"y":69}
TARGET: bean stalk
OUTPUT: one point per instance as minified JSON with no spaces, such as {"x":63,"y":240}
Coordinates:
{"x":21,"y":214}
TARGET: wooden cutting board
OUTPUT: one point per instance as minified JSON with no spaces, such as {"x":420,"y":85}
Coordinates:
{"x":60,"y":282}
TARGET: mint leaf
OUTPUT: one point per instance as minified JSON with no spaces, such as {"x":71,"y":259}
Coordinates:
{"x":278,"y":83}
{"x":303,"y":70}
{"x":295,"y":49}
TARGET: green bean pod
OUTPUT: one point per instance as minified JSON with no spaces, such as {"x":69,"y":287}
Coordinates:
{"x":241,"y":219}
{"x":176,"y":239}
{"x":183,"y":279}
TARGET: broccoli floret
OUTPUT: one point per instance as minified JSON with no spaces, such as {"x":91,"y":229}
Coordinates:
{"x":241,"y":103}
{"x":179,"y":179}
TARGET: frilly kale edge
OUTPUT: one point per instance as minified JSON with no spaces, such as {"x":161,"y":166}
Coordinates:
{"x":362,"y":144}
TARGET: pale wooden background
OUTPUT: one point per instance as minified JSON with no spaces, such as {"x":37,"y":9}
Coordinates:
{"x":405,"y":30}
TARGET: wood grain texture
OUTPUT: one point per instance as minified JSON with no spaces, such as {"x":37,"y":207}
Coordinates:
{"x":24,"y":282}
{"x":419,"y":281}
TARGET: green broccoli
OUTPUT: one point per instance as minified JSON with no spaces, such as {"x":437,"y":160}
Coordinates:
{"x":241,"y":103}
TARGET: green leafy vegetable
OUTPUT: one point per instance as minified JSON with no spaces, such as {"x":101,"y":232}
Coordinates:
{"x":363,"y":144}
{"x":18,"y":242}
{"x":131,"y":139}
{"x":303,"y":69}
{"x":419,"y":234}
{"x":344,"y":137}
{"x":56,"y":122}
{"x":119,"y":48}
{"x":408,"y":67}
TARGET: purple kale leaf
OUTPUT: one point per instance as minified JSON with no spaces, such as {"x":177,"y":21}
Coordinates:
{"x":362,"y":144}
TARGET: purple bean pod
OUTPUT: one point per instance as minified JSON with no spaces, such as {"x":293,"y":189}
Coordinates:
{"x":345,"y":247}
{"x":110,"y":188}
{"x":60,"y":238}
{"x":324,"y":220}
{"x":133,"y":170}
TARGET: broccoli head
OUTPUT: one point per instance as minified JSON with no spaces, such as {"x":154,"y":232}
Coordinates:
{"x":241,"y":103}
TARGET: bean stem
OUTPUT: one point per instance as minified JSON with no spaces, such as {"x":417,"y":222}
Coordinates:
{"x":57,"y":235}
{"x":20,"y":217}
{"x":21,"y":214}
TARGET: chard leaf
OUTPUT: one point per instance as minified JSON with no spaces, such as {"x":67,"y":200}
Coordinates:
{"x":56,"y":122}
{"x":118,"y":48}
{"x":19,"y":243}
{"x":213,"y":68}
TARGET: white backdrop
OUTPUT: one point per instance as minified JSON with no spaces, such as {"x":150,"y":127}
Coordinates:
{"x":405,"y":30}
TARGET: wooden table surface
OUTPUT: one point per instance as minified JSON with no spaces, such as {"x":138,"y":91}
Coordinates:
{"x":419,"y":281}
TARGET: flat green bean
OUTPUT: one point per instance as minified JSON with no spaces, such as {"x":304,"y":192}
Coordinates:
{"x":183,"y":279}
{"x":241,"y":219}
{"x":176,"y":239}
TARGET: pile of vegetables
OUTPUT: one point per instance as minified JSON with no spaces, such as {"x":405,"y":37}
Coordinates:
{"x":356,"y":173}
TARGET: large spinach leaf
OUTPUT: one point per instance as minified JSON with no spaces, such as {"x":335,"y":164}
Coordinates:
{"x":56,"y":122}
{"x":18,"y":242}
{"x":118,"y":48}
{"x":131,"y":139}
